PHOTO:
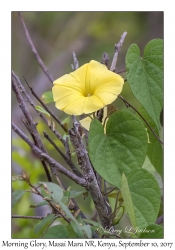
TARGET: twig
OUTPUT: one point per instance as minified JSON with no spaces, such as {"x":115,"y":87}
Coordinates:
{"x":31,"y":125}
{"x":46,"y":108}
{"x":55,"y":165}
{"x":60,"y":182}
{"x":117,"y":51}
{"x":40,"y":114}
{"x":76,"y":64}
{"x":35,"y":141}
{"x":105,"y":59}
{"x":67,"y":160}
{"x":27,"y":217}
{"x":129,"y":105}
{"x":121,"y":71}
{"x":55,"y":209}
{"x":39,"y":60}
{"x":67,"y":149}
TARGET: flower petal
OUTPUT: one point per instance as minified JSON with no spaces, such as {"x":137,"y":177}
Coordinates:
{"x":92,"y":104}
{"x":86,"y":122}
{"x":66,"y":81}
{"x":99,"y":75}
{"x":74,"y":107}
{"x":80,"y":76}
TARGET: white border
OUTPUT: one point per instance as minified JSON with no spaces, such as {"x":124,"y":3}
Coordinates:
{"x":5,"y":97}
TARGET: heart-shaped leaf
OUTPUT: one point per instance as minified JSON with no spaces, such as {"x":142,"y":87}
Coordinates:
{"x":154,"y":149}
{"x":153,"y":231}
{"x":145,"y":77}
{"x":121,"y":149}
{"x":141,"y":194}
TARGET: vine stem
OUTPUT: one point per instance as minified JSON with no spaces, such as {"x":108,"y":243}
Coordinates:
{"x":129,"y":105}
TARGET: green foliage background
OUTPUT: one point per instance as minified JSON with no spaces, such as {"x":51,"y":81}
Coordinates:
{"x":56,"y":35}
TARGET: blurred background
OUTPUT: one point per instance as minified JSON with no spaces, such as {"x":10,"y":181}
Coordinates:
{"x":56,"y":35}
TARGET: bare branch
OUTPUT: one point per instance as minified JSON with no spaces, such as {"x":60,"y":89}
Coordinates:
{"x":22,"y":89}
{"x":31,"y":124}
{"x":129,"y":105}
{"x":117,"y":51}
{"x":68,"y":153}
{"x":105,"y":59}
{"x":35,"y":141}
{"x":53,"y":164}
{"x":39,"y":60}
{"x":46,"y":108}
{"x":76,"y":64}
{"x":27,"y":217}
{"x":67,"y":160}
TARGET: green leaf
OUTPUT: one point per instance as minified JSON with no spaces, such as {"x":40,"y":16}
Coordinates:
{"x":57,"y":195}
{"x":121,"y":150}
{"x":67,"y":211}
{"x":141,"y":195}
{"x":47,"y":97}
{"x":55,"y":191}
{"x":118,"y":216}
{"x":128,"y":203}
{"x":72,"y":234}
{"x":154,"y":149}
{"x":66,"y":196}
{"x":46,"y":194}
{"x":81,"y":230}
{"x":43,"y":203}
{"x":87,"y":230}
{"x":16,"y":196}
{"x":153,"y":231}
{"x":56,"y":232}
{"x":46,"y":221}
{"x":94,"y":223}
{"x":74,"y":194}
{"x":145,"y":77}
{"x":40,"y":109}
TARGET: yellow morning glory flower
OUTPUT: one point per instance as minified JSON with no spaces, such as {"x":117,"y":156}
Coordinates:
{"x":87,"y":89}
